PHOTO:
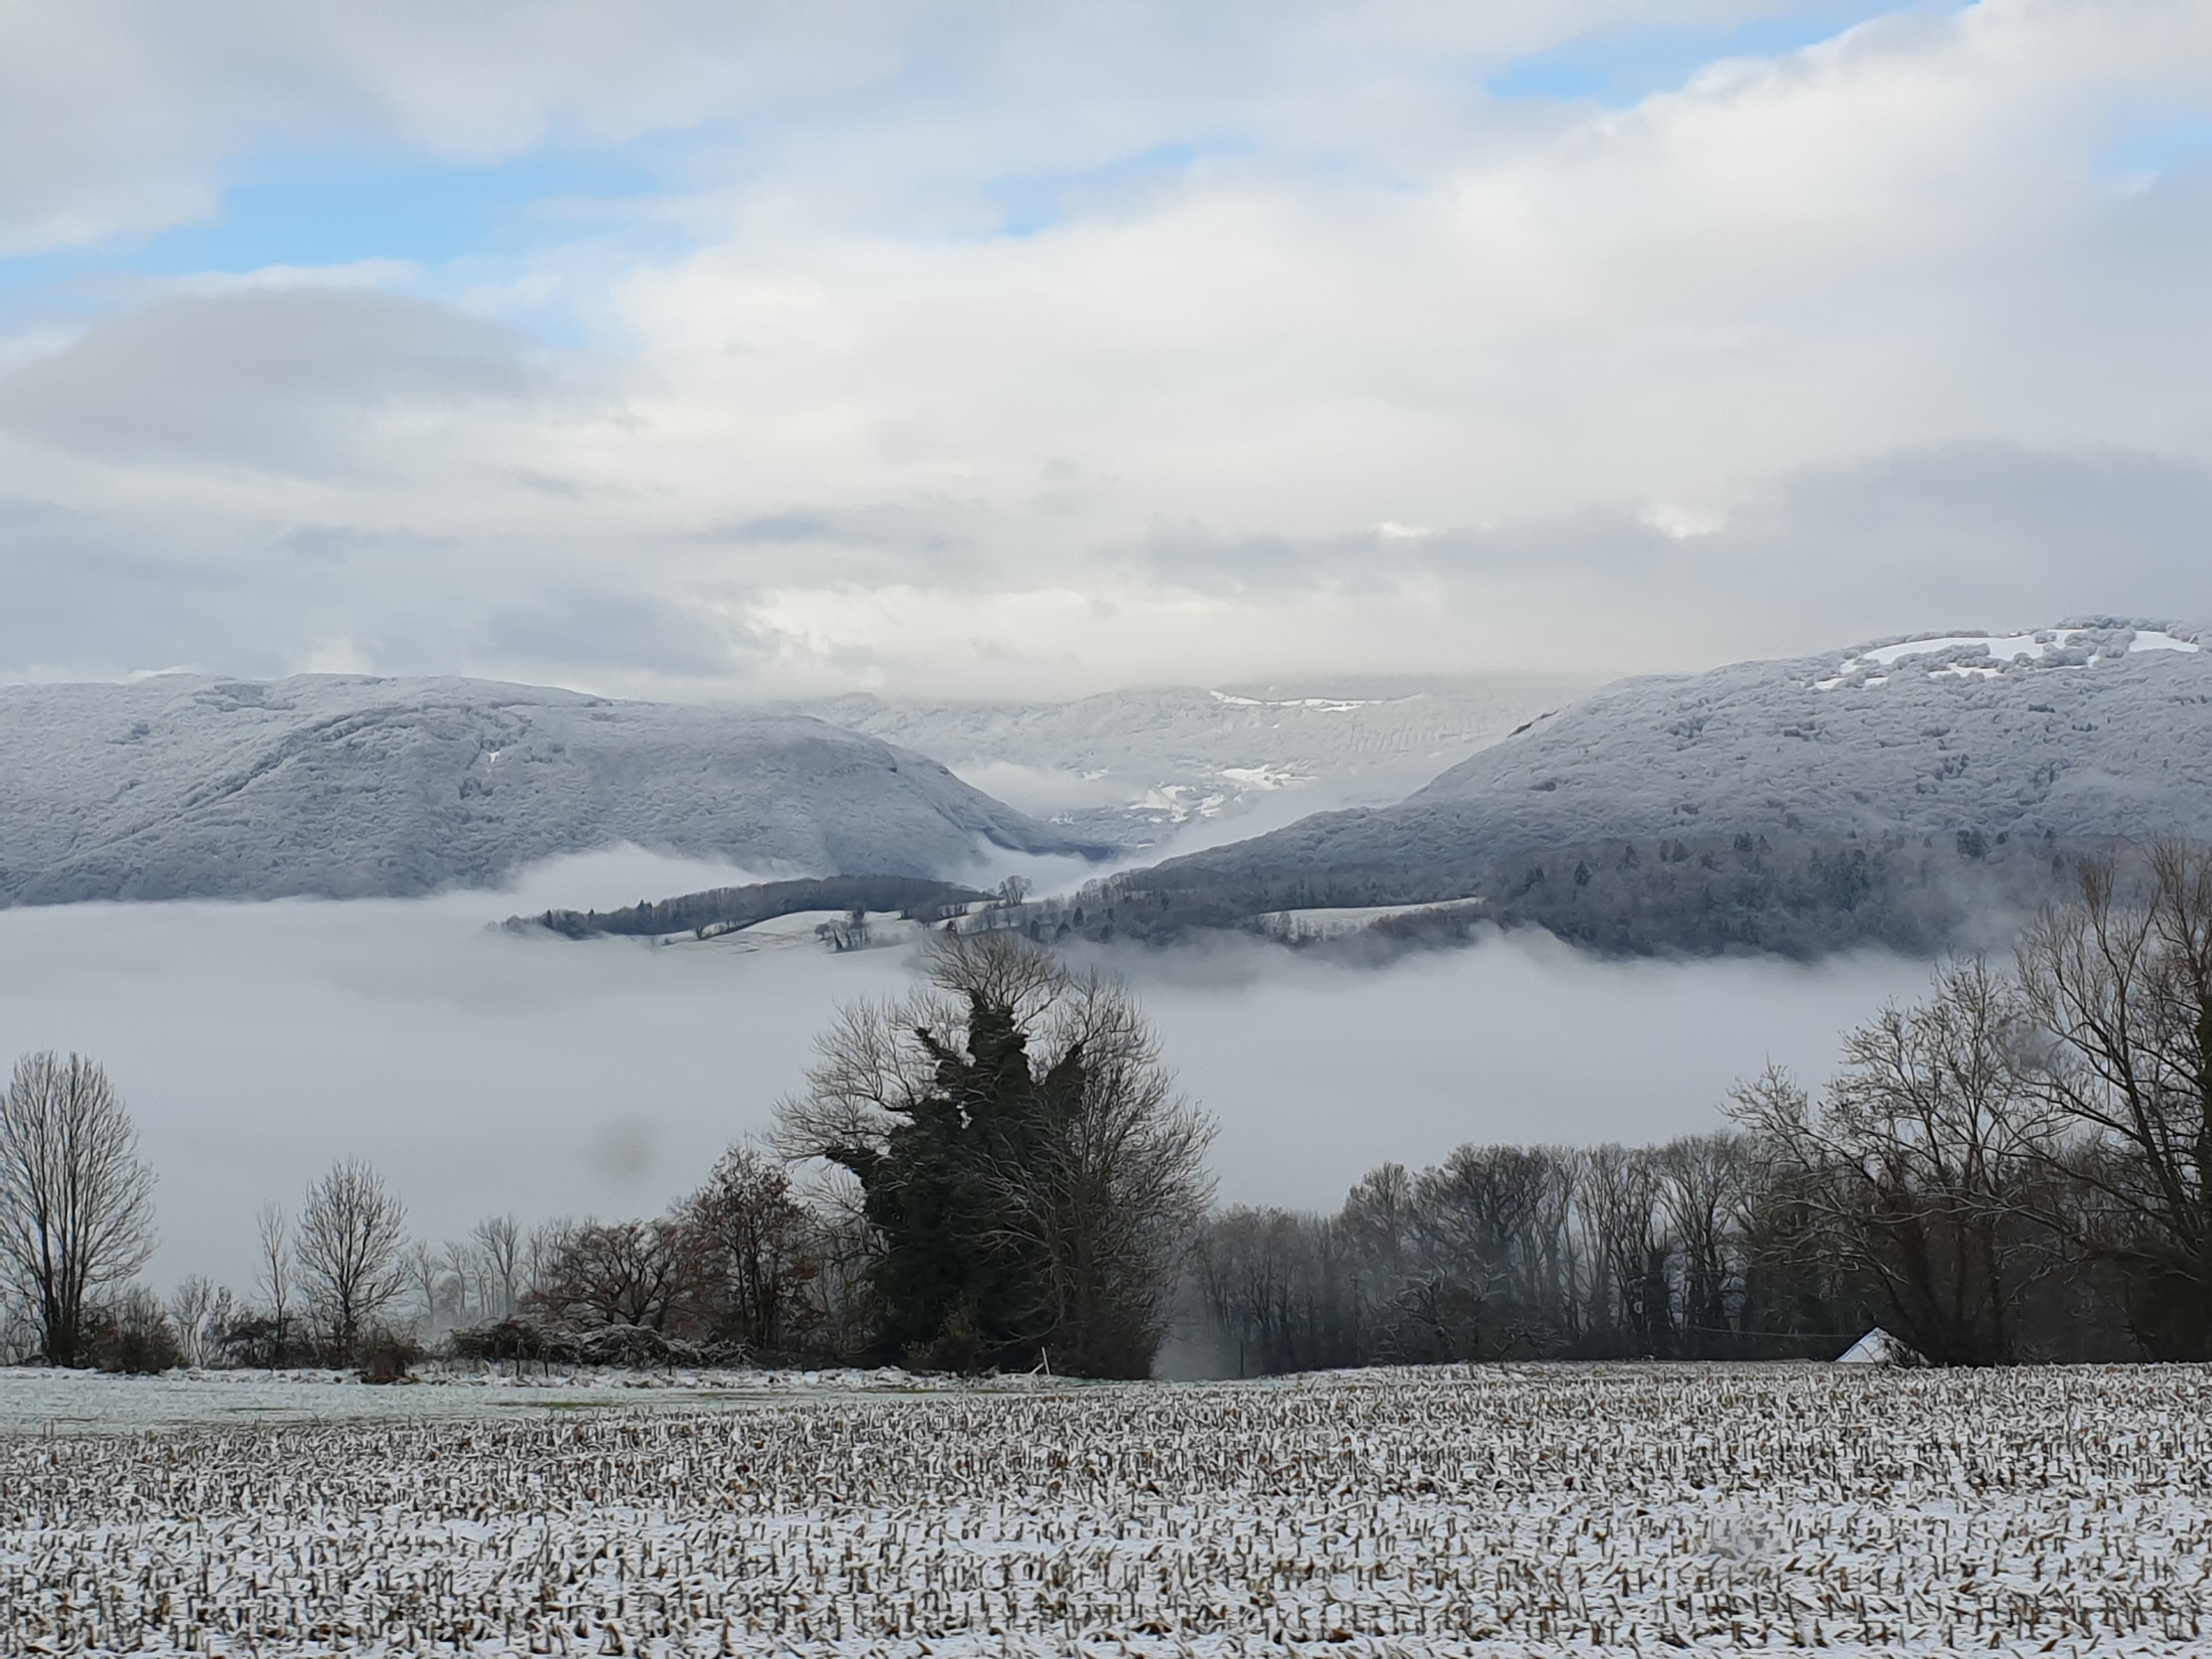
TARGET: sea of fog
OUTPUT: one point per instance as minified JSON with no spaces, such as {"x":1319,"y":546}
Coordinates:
{"x":483,"y":1072}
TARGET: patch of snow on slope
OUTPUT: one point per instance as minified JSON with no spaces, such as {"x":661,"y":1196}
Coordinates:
{"x":2156,"y":640}
{"x":1179,"y":803}
{"x":1265,"y":777}
{"x":1985,"y":656}
{"x":1326,"y":705}
{"x":2003,"y":648}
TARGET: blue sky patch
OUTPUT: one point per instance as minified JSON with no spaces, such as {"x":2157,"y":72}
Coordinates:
{"x":317,"y":210}
{"x":2150,"y":151}
{"x":1033,"y":201}
{"x":1619,"y":68}
{"x":330,"y":210}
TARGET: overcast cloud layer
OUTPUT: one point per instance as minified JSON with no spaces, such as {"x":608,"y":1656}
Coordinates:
{"x":676,"y":349}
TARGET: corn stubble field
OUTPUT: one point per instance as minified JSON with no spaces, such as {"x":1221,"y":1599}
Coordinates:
{"x":1485,"y":1511}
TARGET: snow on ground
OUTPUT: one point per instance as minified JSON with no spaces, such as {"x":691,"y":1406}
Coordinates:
{"x":1996,"y":651}
{"x":2156,"y":640}
{"x":1265,"y":777}
{"x":1325,"y":705}
{"x":801,"y":928}
{"x":2001,"y":649}
{"x":35,"y":1400}
{"x":1485,"y":1511}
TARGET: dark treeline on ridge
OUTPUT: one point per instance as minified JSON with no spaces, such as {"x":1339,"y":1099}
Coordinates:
{"x":1797,"y":895}
{"x":724,"y":907}
{"x":997,"y":1173}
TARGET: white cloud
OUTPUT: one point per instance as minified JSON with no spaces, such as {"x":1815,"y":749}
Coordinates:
{"x":1680,"y":520}
{"x":854,"y":432}
{"x":259,"y":375}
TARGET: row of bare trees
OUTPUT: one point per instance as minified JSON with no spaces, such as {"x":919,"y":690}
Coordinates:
{"x":720,"y":1275}
{"x":740,"y":1267}
{"x":76,"y":1226}
{"x":2026,"y":1140}
{"x":728,"y":1271}
{"x":1516,"y":1252}
{"x":2017,"y":1167}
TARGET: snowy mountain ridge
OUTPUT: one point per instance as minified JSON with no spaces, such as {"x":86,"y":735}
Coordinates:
{"x":2079,"y":733}
{"x":347,"y":785}
{"x":1907,"y":792}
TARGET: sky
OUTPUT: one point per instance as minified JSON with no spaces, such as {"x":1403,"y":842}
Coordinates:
{"x":485,"y":1073}
{"x":691,"y":350}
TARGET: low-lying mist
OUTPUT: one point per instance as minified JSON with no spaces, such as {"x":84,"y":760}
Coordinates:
{"x":485,"y":1071}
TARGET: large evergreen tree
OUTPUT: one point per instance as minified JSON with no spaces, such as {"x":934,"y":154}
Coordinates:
{"x":1020,"y":1158}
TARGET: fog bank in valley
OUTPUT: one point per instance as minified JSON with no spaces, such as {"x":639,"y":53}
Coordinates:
{"x":483,"y":1072}
{"x":1317,"y":1072}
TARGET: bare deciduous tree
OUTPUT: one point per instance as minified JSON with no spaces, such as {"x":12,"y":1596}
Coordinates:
{"x":758,"y":1244}
{"x":2123,"y":981}
{"x":461,"y":1272}
{"x":351,"y":1233}
{"x":1490,"y":1222}
{"x":623,"y":1272}
{"x":1380,"y":1214}
{"x":197,"y":1310}
{"x":1106,"y":1188}
{"x":499,"y":1265}
{"x":1280,"y":1290}
{"x":1920,"y":1153}
{"x":1703,"y":1180}
{"x":1631,"y":1245}
{"x":426,"y":1277}
{"x":76,"y":1201}
{"x":273,"y":1273}
{"x":542,"y":1252}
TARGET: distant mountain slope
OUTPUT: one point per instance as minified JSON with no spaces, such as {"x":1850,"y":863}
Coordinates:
{"x":1144,"y":765}
{"x":345,"y":787}
{"x":1902,"y":793}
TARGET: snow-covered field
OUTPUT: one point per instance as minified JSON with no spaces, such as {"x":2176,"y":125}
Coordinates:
{"x":1490,"y":1511}
{"x":45,"y":1402}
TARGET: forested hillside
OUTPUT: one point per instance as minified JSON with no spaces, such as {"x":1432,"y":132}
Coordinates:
{"x":1917,"y":794}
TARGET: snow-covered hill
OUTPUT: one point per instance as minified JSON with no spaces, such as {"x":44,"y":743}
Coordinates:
{"x":2077,"y":731}
{"x":1896,"y":792}
{"x":344,"y":786}
{"x":1155,"y":766}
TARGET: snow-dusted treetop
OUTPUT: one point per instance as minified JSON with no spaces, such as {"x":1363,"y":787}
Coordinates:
{"x":343,"y":786}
